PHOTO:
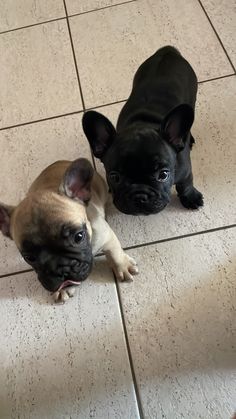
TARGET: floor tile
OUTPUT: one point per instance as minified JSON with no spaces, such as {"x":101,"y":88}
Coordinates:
{"x":26,"y":151}
{"x":223,"y":16}
{"x":180,"y":316}
{"x":65,"y":361}
{"x":15,"y":14}
{"x":75,"y":6}
{"x":38,"y":77}
{"x":111,"y":43}
{"x":213,"y":160}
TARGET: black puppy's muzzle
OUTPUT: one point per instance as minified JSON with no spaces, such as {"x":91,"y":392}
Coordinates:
{"x":57,"y":271}
{"x":141,"y":200}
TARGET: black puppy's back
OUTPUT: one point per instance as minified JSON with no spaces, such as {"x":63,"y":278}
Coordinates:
{"x":162,"y":82}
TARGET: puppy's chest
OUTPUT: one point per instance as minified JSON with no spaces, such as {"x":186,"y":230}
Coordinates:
{"x":96,"y":216}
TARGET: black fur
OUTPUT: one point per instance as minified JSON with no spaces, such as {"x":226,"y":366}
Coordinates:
{"x":150,"y":149}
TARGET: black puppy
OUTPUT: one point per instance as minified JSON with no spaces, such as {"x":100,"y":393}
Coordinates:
{"x":150,"y":151}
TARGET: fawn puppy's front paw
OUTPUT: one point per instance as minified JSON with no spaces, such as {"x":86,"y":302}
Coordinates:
{"x":60,"y":297}
{"x":126,"y":269}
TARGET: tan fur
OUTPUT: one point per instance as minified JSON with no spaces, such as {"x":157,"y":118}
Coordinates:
{"x":45,"y":199}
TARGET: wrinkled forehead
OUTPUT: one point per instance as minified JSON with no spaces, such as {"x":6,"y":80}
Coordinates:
{"x":40,"y":220}
{"x":142,"y":151}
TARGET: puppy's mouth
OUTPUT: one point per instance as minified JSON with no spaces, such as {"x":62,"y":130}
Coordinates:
{"x":56,"y":280}
{"x":140,"y":203}
{"x":67,"y":283}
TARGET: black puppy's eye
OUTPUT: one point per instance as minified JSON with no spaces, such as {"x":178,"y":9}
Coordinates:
{"x":115,"y":177}
{"x":78,"y":237}
{"x":29,"y":258}
{"x":163,"y":175}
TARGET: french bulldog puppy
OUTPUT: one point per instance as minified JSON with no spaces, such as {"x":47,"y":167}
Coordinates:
{"x":149,"y":151}
{"x":60,"y":226}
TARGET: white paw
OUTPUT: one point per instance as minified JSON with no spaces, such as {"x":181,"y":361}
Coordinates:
{"x":60,"y":297}
{"x":126,"y":269}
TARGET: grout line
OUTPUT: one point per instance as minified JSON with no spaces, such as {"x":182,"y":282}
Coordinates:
{"x":136,"y":246}
{"x":74,"y":56}
{"x":124,"y":100}
{"x":102,"y":8}
{"x":183,"y":236}
{"x":106,"y":104}
{"x":16,"y":273}
{"x":33,"y":24}
{"x":22,"y":124}
{"x":217,"y":35}
{"x":136,"y":388}
{"x":63,"y":17}
{"x":114,"y":5}
{"x":217,"y":78}
{"x":36,"y":121}
{"x":95,"y":107}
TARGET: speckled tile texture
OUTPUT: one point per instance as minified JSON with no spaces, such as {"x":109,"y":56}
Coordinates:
{"x":164,"y":346}
{"x":38,"y":78}
{"x":15,"y":14}
{"x":137,"y":30}
{"x":180,"y":315}
{"x":222,"y":15}
{"x":64,"y":361}
{"x":82,"y":6}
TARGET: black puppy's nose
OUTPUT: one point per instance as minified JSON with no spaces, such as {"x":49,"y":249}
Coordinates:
{"x":141,"y":198}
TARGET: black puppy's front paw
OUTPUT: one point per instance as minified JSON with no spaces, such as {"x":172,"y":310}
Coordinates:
{"x":192,"y":200}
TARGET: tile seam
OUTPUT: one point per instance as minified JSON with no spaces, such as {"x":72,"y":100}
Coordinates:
{"x":129,"y":352}
{"x":102,"y":8}
{"x":63,"y":17}
{"x":74,"y":56}
{"x":182,"y":236}
{"x":217,"y":35}
{"x":154,"y":242}
{"x":36,"y":121}
{"x":32,"y":25}
{"x":104,"y":105}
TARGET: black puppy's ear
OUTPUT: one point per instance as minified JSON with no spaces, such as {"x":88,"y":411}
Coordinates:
{"x":77,"y":180}
{"x":99,"y":131}
{"x":5,"y":218}
{"x":176,"y":124}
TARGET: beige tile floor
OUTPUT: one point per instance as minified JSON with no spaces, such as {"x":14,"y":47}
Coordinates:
{"x":163,"y":347}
